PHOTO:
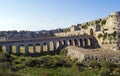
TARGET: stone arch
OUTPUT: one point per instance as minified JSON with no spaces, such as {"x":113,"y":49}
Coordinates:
{"x":45,"y":47}
{"x":85,"y":42}
{"x":12,"y":49}
{"x":81,"y":43}
{"x":64,"y":43}
{"x":31,"y":48}
{"x":37,"y":47}
{"x":91,"y":31}
{"x":21,"y":47}
{"x":70,"y":42}
{"x":51,"y":46}
{"x":58,"y":44}
{"x":75,"y":42}
{"x":3,"y":48}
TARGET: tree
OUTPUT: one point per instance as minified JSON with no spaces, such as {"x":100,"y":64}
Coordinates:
{"x":100,"y":35}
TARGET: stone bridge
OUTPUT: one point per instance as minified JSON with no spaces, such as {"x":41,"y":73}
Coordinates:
{"x":47,"y":44}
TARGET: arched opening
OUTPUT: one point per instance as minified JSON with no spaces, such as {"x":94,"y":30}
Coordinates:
{"x":51,"y":46}
{"x":31,"y":48}
{"x":70,"y":42}
{"x":22,"y":48}
{"x":91,"y":31}
{"x":58,"y":44}
{"x":45,"y":48}
{"x":75,"y":42}
{"x":85,"y":42}
{"x":37,"y":47}
{"x":3,"y":48}
{"x":81,"y":43}
{"x":64,"y":42}
{"x":13,"y":49}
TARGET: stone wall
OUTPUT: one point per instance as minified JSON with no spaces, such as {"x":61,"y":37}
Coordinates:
{"x":107,"y":25}
{"x":85,"y":55}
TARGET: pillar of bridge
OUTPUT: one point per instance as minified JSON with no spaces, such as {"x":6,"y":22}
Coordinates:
{"x":60,"y":43}
{"x":81,"y":42}
{"x":8,"y":49}
{"x":34,"y":49}
{"x":0,"y":48}
{"x":75,"y":42}
{"x":48,"y":46}
{"x":66,"y":43}
{"x":17,"y":49}
{"x":26,"y":50}
{"x":86,"y":42}
{"x":41,"y":48}
{"x":54,"y":45}
{"x":91,"y":42}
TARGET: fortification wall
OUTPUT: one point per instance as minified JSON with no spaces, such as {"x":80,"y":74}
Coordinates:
{"x":85,"y":55}
{"x":108,"y":28}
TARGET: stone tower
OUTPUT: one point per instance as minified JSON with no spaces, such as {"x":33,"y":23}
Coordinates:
{"x":113,"y":21}
{"x":117,"y":23}
{"x":113,"y":25}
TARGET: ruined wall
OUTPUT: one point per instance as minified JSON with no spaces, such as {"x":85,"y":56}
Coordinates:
{"x":84,"y":55}
{"x":105,"y":30}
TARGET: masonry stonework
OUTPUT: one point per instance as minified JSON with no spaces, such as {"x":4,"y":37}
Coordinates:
{"x":106,"y":31}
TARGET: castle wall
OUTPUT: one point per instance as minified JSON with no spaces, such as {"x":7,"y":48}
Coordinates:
{"x":106,"y":27}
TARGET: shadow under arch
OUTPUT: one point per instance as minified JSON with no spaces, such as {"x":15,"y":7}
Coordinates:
{"x":81,"y":42}
{"x":70,"y":42}
{"x":75,"y":42}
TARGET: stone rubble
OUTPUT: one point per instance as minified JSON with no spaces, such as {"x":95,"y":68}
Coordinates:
{"x":86,"y":55}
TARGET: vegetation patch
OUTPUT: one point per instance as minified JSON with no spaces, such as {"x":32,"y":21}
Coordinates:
{"x":54,"y":65}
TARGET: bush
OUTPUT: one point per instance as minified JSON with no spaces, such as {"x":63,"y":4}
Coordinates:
{"x":104,"y":72}
{"x":63,"y":52}
{"x":81,"y":66}
{"x":4,"y":66}
{"x":94,"y":65}
{"x":3,"y":57}
{"x":109,"y":65}
{"x":99,"y":36}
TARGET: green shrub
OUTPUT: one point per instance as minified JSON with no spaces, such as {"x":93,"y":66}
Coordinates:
{"x":94,"y":65}
{"x":109,"y":65}
{"x":99,"y":36}
{"x":4,"y":66}
{"x":104,"y":72}
{"x":81,"y":66}
{"x":63,"y":52}
{"x":3,"y":57}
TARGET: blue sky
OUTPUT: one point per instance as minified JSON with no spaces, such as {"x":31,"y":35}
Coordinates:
{"x":37,"y":15}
